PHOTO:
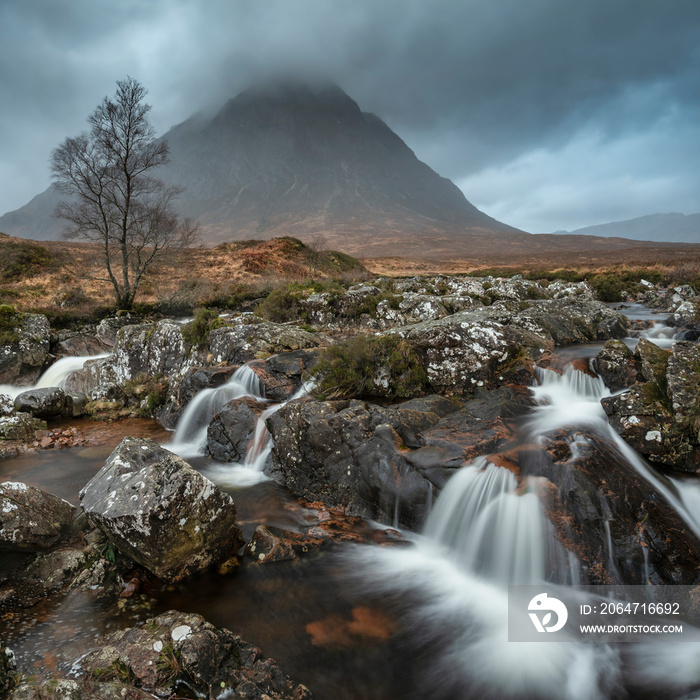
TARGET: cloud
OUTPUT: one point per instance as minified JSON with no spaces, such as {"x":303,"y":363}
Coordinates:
{"x":473,"y":86}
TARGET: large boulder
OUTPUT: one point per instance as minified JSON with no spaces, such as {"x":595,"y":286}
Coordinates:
{"x":26,"y":351}
{"x":572,"y":320}
{"x":48,"y":402}
{"x":385,"y":463}
{"x":230,"y":432}
{"x":159,"y":511}
{"x":177,"y":651}
{"x":615,"y":365}
{"x":660,"y":417}
{"x":622,"y":527}
{"x":20,"y":427}
{"x":31,"y":520}
{"x":468,"y":350}
{"x":250,"y":338}
{"x":281,"y":375}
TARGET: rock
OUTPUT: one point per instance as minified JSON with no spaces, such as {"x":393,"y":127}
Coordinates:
{"x":177,"y":650}
{"x":31,"y":520}
{"x":76,"y":405}
{"x":385,"y":463}
{"x":469,"y":350}
{"x":232,"y":429}
{"x":642,"y":417}
{"x":87,"y":689}
{"x":281,"y":375}
{"x":683,"y":378}
{"x":652,"y":361}
{"x":48,"y":402}
{"x":660,"y":418}
{"x":159,"y":511}
{"x":20,"y":427}
{"x":686,"y":313}
{"x":8,"y":671}
{"x":572,"y":320}
{"x":650,"y":542}
{"x":270,"y":544}
{"x":22,"y":361}
{"x":252,"y":339}
{"x":7,"y":405}
{"x":614,"y":364}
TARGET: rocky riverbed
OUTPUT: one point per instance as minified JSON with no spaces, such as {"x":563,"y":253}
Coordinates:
{"x":360,"y":455}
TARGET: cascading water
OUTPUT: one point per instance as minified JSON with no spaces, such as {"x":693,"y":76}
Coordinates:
{"x":488,"y":527}
{"x":190,"y":438}
{"x":250,"y":471}
{"x":55,"y":375}
{"x":478,"y":537}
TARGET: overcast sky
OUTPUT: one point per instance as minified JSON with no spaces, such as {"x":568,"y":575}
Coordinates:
{"x":548,"y":114}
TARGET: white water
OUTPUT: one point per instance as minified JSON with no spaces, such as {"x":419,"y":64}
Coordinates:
{"x":55,"y":375}
{"x":190,"y":438}
{"x":477,"y":539}
{"x":487,"y":527}
{"x":250,"y":471}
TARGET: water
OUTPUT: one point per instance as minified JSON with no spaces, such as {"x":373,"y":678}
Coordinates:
{"x":55,"y":375}
{"x":190,"y":439}
{"x":440,"y":607}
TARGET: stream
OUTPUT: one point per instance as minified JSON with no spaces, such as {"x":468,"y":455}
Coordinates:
{"x":383,"y":623}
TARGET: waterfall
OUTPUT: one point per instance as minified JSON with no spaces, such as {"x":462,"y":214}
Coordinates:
{"x":490,"y":529}
{"x":190,"y":438}
{"x":250,"y":471}
{"x":55,"y":375}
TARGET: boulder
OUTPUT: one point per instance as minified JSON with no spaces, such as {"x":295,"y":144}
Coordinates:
{"x":85,"y":689}
{"x":386,"y":463}
{"x":600,"y":499}
{"x":31,"y":520}
{"x":20,"y":427}
{"x":470,"y":349}
{"x":7,"y":405}
{"x":615,"y":365}
{"x":251,"y":338}
{"x":8,"y":671}
{"x":23,"y":360}
{"x":176,"y":650}
{"x":159,"y":511}
{"x":660,"y":417}
{"x":49,"y":402}
{"x":686,"y":313}
{"x":230,"y":432}
{"x":281,"y":375}
{"x":652,"y":362}
{"x":571,"y":320}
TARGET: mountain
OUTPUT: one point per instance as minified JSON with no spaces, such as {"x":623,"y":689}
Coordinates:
{"x":664,"y":228}
{"x":291,"y":159}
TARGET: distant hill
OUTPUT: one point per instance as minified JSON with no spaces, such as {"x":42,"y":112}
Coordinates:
{"x":664,"y":228}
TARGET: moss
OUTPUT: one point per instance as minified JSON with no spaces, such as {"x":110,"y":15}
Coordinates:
{"x":196,"y":332}
{"x":385,"y":366}
{"x":10,"y":321}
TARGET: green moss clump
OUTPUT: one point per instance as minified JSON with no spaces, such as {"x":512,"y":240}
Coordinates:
{"x":9,"y":323}
{"x":383,"y":366}
{"x":608,"y":287}
{"x":196,"y":332}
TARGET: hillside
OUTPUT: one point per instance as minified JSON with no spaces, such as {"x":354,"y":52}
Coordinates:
{"x":664,"y":228}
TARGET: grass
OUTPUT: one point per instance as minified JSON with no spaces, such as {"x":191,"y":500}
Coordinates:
{"x":9,"y":322}
{"x":196,"y":332}
{"x":21,"y":260}
{"x":366,"y":367}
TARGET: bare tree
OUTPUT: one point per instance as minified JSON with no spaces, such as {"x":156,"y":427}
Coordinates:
{"x":115,"y":200}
